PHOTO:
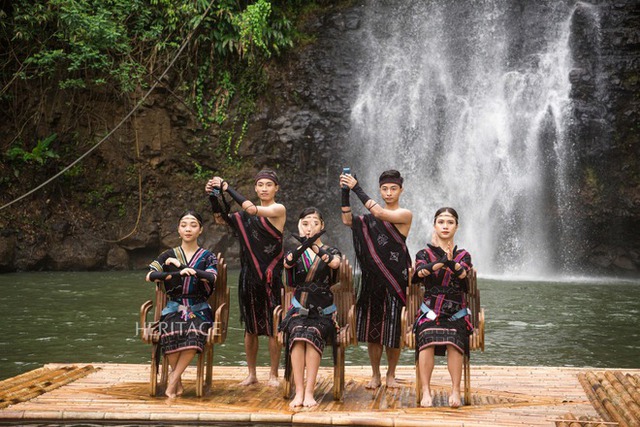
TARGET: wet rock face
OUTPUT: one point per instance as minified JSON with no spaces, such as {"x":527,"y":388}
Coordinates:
{"x":605,"y":88}
{"x":302,"y":127}
{"x":7,"y":252}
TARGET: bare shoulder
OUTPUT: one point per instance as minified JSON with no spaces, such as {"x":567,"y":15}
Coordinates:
{"x":406,"y":214}
{"x":279,"y":209}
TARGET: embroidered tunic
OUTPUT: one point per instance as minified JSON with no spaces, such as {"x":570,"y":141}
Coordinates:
{"x":384,"y":260}
{"x":445,"y":295}
{"x":185,"y":328}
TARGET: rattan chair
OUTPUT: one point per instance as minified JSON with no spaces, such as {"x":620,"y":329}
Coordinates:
{"x":219,"y":301}
{"x":415,"y":295}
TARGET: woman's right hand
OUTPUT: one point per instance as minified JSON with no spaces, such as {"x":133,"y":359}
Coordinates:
{"x":172,"y":260}
{"x":300,"y":229}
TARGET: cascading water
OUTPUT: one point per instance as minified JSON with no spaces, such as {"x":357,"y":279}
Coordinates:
{"x":471,"y":102}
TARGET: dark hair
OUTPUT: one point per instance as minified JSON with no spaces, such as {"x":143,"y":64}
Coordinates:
{"x":310,"y":210}
{"x":447,"y":210}
{"x":193,"y":213}
{"x":391,"y":176}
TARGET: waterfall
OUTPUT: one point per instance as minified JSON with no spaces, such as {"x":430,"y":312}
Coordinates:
{"x":471,"y":102}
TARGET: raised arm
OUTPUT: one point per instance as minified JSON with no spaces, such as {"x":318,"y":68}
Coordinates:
{"x":345,"y":209}
{"x":397,"y":216}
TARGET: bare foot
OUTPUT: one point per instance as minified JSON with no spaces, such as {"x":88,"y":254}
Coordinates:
{"x":374,"y":383}
{"x":310,"y":402}
{"x":427,"y":400}
{"x":297,"y":401}
{"x":454,"y":399}
{"x":273,"y":382}
{"x":251,"y":379}
{"x":170,"y":392}
{"x":179,"y":387}
{"x":392,"y":382}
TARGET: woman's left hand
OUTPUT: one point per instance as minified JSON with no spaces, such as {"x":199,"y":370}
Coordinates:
{"x":187,"y":272}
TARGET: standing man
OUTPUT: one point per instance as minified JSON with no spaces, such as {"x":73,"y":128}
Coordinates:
{"x":259,"y":229}
{"x":379,"y":239}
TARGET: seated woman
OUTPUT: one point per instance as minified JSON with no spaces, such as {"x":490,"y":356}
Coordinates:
{"x":310,"y":322}
{"x":443,"y":321}
{"x":189,"y":273}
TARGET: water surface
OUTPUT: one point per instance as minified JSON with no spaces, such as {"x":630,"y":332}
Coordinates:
{"x":92,"y":317}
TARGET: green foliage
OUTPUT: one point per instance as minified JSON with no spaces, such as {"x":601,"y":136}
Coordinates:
{"x":253,"y":25}
{"x":201,"y":174}
{"x":40,"y":154}
{"x":100,"y":197}
{"x":115,"y":47}
{"x":83,"y":43}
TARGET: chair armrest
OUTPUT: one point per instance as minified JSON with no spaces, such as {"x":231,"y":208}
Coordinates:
{"x":403,"y":328}
{"x":218,"y":333}
{"x":277,"y":319}
{"x":352,"y":326}
{"x":481,"y":328}
{"x":144,"y":311}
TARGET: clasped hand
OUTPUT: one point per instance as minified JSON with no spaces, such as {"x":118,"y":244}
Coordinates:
{"x":348,"y":181}
{"x":215,"y":182}
{"x":185,"y":271}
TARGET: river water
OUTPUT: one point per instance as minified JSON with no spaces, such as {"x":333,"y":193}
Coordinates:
{"x":92,"y":317}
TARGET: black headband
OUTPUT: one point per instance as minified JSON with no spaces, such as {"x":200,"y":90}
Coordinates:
{"x":265,"y":174}
{"x":391,"y":180}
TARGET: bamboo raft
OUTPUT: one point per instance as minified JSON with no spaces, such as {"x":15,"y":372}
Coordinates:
{"x":501,"y":396}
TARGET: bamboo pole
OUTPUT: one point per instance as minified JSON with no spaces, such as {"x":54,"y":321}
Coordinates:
{"x":631,"y":406}
{"x":593,"y":398}
{"x":631,"y":389}
{"x":601,"y":392}
{"x":64,"y":377}
{"x":27,"y":376}
{"x":617,"y":400}
{"x":46,"y":376}
{"x":572,"y":421}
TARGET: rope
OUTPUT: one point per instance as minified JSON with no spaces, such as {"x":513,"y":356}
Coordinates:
{"x":135,"y":227}
{"x":112,"y":131}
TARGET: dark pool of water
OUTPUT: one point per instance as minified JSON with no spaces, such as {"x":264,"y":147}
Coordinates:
{"x":91,"y":317}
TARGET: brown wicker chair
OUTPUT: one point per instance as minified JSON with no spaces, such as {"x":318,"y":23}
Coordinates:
{"x":219,"y":301}
{"x":415,"y":296}
{"x":344,"y":299}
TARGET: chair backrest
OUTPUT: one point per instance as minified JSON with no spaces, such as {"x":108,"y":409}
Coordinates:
{"x":161,"y":302}
{"x":415,"y":295}
{"x":286,"y":294}
{"x":476,"y":339}
{"x":473,"y":297}
{"x":343,"y":292}
{"x":220,"y":295}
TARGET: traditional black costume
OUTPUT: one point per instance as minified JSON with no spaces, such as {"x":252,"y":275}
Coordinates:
{"x":384,"y":261}
{"x":443,"y":318}
{"x":260,"y":264}
{"x":260,"y":274}
{"x":310,"y":318}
